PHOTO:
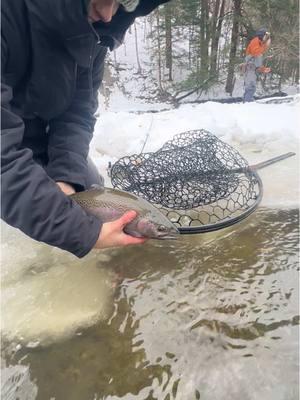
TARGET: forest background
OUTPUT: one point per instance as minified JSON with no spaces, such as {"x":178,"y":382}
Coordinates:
{"x":188,"y":48}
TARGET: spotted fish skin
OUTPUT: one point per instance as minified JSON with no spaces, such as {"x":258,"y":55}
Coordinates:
{"x":110,"y":204}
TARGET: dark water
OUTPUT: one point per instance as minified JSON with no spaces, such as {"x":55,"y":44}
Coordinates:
{"x":209,"y":317}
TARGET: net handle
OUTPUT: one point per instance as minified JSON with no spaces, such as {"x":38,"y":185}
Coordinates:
{"x":273,"y":160}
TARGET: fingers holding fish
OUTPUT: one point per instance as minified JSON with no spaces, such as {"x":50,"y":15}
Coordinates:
{"x":112,"y":233}
{"x":66,"y":188}
{"x":127,"y":217}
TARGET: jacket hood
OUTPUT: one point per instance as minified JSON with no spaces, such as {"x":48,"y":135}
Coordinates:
{"x":112,"y":34}
{"x":67,"y":19}
{"x":64,"y":18}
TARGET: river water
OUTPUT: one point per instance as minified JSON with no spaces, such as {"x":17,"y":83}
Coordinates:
{"x":211,"y":316}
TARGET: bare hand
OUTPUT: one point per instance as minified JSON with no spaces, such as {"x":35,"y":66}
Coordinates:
{"x":112,"y":233}
{"x":268,"y":42}
{"x":66,"y":188}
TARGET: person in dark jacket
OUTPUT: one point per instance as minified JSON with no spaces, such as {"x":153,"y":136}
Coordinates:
{"x":52,"y":59}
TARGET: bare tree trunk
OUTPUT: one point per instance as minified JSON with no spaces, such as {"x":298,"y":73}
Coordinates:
{"x":214,"y":20}
{"x":137,"y":49}
{"x":233,"y":47}
{"x":145,"y":30}
{"x":204,"y":39}
{"x":216,"y":28}
{"x":198,"y":64}
{"x":296,"y":75}
{"x":159,"y":51}
{"x":190,"y":52}
{"x":193,"y":49}
{"x":168,"y":26}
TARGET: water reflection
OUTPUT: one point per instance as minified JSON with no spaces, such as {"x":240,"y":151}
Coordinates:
{"x":211,"y":316}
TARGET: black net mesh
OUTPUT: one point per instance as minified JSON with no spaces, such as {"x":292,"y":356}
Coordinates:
{"x":195,"y":179}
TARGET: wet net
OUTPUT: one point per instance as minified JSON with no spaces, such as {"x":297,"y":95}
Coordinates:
{"x":197,"y":180}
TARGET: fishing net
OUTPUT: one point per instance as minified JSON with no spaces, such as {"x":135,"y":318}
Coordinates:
{"x":198,"y":181}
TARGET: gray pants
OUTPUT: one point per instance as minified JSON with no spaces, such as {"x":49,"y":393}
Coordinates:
{"x":250,"y":82}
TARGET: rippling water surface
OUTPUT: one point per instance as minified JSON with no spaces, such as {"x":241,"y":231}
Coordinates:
{"x":211,"y":317}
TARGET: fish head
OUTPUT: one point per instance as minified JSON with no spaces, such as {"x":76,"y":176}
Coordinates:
{"x":157,"y":230}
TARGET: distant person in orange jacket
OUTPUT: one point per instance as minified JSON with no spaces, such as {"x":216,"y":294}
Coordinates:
{"x":254,"y":62}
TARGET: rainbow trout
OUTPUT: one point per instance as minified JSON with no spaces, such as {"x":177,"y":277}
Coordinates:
{"x":110,"y":204}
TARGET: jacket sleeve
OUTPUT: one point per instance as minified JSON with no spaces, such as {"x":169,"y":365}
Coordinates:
{"x":70,"y":134}
{"x":30,"y":200}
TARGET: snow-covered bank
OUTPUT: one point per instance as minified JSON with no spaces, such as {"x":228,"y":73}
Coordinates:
{"x":258,"y":131}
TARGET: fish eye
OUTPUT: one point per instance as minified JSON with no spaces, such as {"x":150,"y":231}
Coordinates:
{"x":161,"y":228}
